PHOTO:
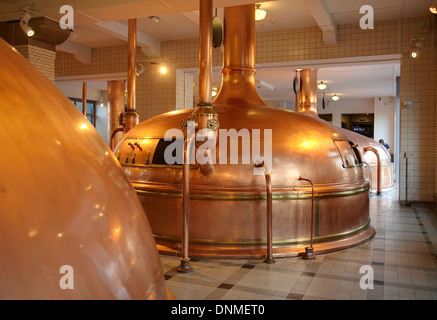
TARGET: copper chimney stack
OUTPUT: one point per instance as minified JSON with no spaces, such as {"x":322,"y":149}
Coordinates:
{"x":131,"y":118}
{"x":238,"y":81}
{"x":308,"y":93}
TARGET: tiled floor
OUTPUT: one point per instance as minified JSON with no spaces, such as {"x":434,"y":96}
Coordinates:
{"x":403,"y":255}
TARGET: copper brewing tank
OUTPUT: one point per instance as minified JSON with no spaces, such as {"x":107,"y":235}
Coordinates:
{"x":378,"y":166}
{"x":384,"y":180}
{"x":228,"y":208}
{"x":65,"y":201}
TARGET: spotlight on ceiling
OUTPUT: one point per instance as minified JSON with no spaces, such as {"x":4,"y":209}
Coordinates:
{"x":433,"y":7}
{"x":260,"y":14}
{"x":335,"y":97}
{"x":321,"y":85}
{"x":24,"y":24}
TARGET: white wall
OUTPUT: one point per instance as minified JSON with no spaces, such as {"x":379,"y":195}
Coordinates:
{"x":75,"y":91}
{"x":385,"y":120}
{"x":346,"y":106}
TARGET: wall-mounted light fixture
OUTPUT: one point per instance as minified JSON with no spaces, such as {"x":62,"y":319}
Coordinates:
{"x":321,"y":85}
{"x":139,"y":70}
{"x":433,"y":7}
{"x":335,"y":97}
{"x":214,"y":92}
{"x":163,"y":69}
{"x":260,"y":14}
{"x":416,"y":48}
{"x":154,"y":18}
{"x":100,"y":101}
{"x":24,"y":24}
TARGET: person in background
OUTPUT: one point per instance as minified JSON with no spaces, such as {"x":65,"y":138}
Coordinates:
{"x":381,"y":141}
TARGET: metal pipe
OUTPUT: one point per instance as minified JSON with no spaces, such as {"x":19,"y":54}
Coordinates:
{"x":379,"y":168}
{"x":84,"y":87}
{"x":113,"y":137}
{"x":131,"y":118}
{"x":406,"y":179}
{"x":116,"y":105}
{"x":309,"y":251}
{"x":205,"y":51}
{"x":297,"y":89}
{"x":205,"y":115}
{"x":308,"y":95}
{"x":269,"y":254}
{"x":370,"y":174}
{"x":184,"y":266}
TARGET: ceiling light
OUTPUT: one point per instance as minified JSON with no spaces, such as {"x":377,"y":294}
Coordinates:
{"x":335,"y":97}
{"x":321,"y":86}
{"x":214,"y":92}
{"x":24,"y":20}
{"x":259,"y":13}
{"x":433,"y":7}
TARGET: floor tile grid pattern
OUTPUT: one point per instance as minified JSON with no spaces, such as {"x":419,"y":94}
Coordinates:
{"x":403,"y":256}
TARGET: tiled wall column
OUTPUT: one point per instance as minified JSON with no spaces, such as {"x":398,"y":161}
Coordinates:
{"x":42,"y":57}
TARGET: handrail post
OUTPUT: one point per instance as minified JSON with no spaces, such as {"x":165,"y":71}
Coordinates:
{"x":185,"y":266}
{"x":309,"y":251}
{"x":370,"y":174}
{"x":269,"y":254}
{"x":379,"y":169}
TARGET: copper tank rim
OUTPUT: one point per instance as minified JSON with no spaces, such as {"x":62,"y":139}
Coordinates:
{"x":203,"y":248}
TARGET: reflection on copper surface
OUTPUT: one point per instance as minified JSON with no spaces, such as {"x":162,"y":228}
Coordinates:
{"x":52,"y":187}
{"x":228,"y":207}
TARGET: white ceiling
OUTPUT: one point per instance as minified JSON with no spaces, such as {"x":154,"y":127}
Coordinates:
{"x":100,"y":23}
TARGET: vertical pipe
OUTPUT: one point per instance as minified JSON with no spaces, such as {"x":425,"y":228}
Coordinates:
{"x":131,"y":118}
{"x":379,"y":169}
{"x":308,"y":96}
{"x":269,"y":254}
{"x":205,"y":115}
{"x":205,"y":51}
{"x":184,"y":266}
{"x":131,"y":75}
{"x":84,"y":87}
{"x":116,"y":105}
{"x":309,"y":251}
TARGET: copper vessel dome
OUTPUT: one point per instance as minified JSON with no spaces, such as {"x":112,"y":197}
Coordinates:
{"x":378,"y":168}
{"x":228,"y":207}
{"x":71,"y":224}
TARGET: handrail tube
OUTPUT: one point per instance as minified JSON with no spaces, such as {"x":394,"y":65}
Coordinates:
{"x":113,"y":136}
{"x":184,"y":266}
{"x":309,"y":251}
{"x":379,"y":169}
{"x":370,"y":174}
{"x":269,"y":254}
